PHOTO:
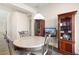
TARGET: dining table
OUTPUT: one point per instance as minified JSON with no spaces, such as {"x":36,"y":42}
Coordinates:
{"x":29,"y":42}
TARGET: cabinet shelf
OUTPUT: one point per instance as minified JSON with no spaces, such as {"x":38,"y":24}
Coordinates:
{"x":61,"y":31}
{"x":68,"y":41}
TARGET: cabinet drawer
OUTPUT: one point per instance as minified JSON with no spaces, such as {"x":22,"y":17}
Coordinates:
{"x":62,"y":45}
{"x":65,"y":46}
{"x":68,"y":47}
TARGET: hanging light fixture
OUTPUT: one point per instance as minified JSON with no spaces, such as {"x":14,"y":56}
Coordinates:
{"x":38,"y":16}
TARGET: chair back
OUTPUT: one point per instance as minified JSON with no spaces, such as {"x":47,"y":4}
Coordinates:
{"x":46,"y":44}
{"x":9,"y":43}
{"x":23,"y":33}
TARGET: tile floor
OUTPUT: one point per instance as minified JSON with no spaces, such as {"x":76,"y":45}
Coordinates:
{"x":53,"y":50}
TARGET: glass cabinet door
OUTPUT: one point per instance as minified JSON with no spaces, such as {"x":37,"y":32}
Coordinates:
{"x":65,"y":28}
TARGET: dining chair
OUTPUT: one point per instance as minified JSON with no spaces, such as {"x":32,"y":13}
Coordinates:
{"x":13,"y":50}
{"x":45,"y":49}
{"x":23,"y":33}
{"x":9,"y":43}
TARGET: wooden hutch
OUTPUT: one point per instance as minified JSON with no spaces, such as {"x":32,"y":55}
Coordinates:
{"x":39,"y":27}
{"x":66,"y":33}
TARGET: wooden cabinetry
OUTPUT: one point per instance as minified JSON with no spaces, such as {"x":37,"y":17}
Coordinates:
{"x":66,"y":29}
{"x":39,"y":27}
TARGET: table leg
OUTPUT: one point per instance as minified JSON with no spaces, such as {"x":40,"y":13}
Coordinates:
{"x":29,"y":51}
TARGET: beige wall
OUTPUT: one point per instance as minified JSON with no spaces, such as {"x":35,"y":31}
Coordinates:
{"x":51,"y":11}
{"x":77,"y":33}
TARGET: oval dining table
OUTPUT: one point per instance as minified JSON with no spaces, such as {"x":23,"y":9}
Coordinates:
{"x":30,"y":42}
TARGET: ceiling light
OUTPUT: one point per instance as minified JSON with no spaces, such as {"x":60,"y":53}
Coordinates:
{"x":38,"y":16}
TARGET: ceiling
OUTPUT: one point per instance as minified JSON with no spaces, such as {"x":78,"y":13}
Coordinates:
{"x":37,"y":5}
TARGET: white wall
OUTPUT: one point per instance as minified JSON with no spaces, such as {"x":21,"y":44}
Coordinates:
{"x":8,"y":11}
{"x":4,"y":25}
{"x":22,"y":8}
{"x":16,"y":21}
{"x":51,"y":11}
{"x":20,"y":22}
